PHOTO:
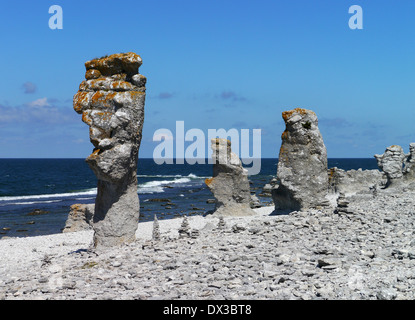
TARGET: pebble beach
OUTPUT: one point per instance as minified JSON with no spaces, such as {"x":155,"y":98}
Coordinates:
{"x":365,"y":252}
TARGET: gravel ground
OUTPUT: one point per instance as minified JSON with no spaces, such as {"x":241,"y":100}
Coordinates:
{"x":364,"y":251}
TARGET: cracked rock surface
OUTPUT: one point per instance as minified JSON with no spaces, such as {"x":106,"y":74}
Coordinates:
{"x":111,"y":101}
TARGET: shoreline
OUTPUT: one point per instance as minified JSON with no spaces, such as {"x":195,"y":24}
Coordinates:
{"x":364,"y":253}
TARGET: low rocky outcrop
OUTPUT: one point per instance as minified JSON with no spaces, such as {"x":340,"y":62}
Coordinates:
{"x":229,"y":184}
{"x":355,"y":181}
{"x":79,"y":218}
{"x":111,"y":101}
{"x":302,"y":165}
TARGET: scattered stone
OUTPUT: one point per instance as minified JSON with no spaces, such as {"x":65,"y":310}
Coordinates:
{"x":310,"y":254}
{"x":238,"y":228}
{"x":37,"y":212}
{"x":386,"y":294}
{"x":158,"y":200}
{"x":194,"y":233}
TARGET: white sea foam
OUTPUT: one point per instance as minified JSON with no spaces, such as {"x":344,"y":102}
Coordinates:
{"x":191,"y":175}
{"x":147,"y":187}
{"x":157,"y":186}
{"x":34,"y":202}
{"x":92,"y":191}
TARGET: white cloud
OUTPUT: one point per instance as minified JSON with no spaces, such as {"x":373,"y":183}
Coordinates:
{"x":42,"y":102}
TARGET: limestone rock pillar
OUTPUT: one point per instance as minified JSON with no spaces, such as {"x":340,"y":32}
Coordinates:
{"x":111,"y":101}
{"x":302,"y":164}
{"x":229,"y":184}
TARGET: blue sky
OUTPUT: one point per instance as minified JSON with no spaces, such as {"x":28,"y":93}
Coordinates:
{"x":214,"y":64}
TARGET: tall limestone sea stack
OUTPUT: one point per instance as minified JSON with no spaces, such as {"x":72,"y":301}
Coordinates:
{"x":229,"y":184}
{"x":111,"y":101}
{"x":302,"y":164}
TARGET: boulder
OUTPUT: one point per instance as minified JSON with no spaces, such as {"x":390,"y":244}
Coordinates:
{"x":111,"y":101}
{"x":229,"y":184}
{"x":302,"y":164}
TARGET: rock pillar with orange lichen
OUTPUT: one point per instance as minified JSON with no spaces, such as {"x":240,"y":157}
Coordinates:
{"x":302,"y":164}
{"x":111,"y":101}
{"x":229,"y":184}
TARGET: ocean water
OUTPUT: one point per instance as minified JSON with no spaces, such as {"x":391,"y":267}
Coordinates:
{"x":35,"y":194}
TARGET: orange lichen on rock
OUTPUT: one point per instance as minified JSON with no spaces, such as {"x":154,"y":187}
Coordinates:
{"x":94,"y":155}
{"x":121,"y":85}
{"x":102,"y":99}
{"x":287,"y":114}
{"x":80,"y":100}
{"x":116,"y":64}
{"x":92,"y":74}
{"x":285,"y":135}
{"x":208,"y":181}
{"x":86,"y":118}
{"x":103,"y":116}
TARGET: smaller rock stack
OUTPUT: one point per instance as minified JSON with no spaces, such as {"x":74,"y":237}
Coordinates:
{"x":409,"y":169}
{"x":79,"y":218}
{"x":229,"y":184}
{"x":391,"y":163}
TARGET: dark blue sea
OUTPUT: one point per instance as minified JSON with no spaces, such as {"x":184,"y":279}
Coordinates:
{"x":49,"y":187}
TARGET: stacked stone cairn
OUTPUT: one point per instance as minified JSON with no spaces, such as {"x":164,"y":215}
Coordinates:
{"x":156,"y":229}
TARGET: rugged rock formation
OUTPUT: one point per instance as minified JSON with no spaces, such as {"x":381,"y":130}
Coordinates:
{"x":302,"y":164}
{"x":79,"y":218}
{"x":355,"y":181}
{"x":391,"y":163}
{"x":409,"y":169}
{"x":229,"y":184}
{"x":111,"y":101}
